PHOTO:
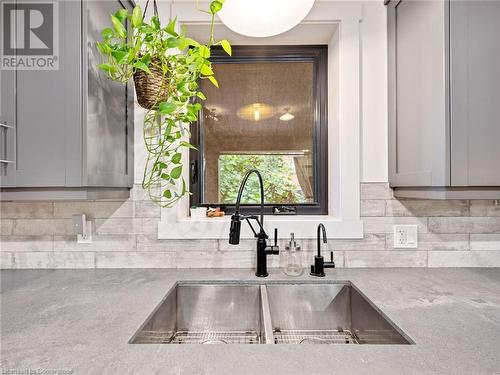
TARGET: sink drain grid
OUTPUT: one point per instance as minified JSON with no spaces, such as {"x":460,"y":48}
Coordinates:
{"x":314,"y":337}
{"x":215,"y":337}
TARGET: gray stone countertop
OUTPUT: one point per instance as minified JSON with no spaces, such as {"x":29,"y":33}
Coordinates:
{"x":81,"y":320}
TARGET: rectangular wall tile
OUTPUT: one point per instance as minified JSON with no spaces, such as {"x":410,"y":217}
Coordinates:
{"x":393,"y":258}
{"x":94,"y":209}
{"x":126,"y":226}
{"x":423,"y":207}
{"x":308,"y":259}
{"x":140,"y":194}
{"x":484,"y":208}
{"x":464,"y":225}
{"x":120,"y":259}
{"x":251,"y":244}
{"x":485,"y":241}
{"x":369,"y":242}
{"x":385,"y":224}
{"x":436,"y":241}
{"x":26,"y":210}
{"x":6,"y":227}
{"x":52,"y":260}
{"x":149,"y":226}
{"x":244,"y":245}
{"x":100,"y":242}
{"x":202,"y":259}
{"x":464,"y":258}
{"x":376,"y":191}
{"x":37,"y":227}
{"x":26,"y":243}
{"x":372,"y":207}
{"x":6,"y":260}
{"x":147,"y":209}
{"x":152,"y":243}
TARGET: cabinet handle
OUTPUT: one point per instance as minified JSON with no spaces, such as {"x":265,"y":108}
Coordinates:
{"x":4,"y":128}
{"x":3,"y":124}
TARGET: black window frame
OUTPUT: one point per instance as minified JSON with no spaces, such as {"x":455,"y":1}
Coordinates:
{"x":275,"y":53}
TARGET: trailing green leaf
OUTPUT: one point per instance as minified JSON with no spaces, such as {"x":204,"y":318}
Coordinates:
{"x":176,"y":159}
{"x":121,"y":14}
{"x":226,"y":46}
{"x":215,"y":6}
{"x":141,"y":66}
{"x":136,"y":17}
{"x":204,"y":52}
{"x":214,"y":81}
{"x":176,"y":172}
{"x":206,"y":70}
{"x":167,"y":108}
{"x":173,"y":42}
{"x":107,"y":33}
{"x":108,"y":68}
{"x":118,"y":26}
{"x":171,"y":27}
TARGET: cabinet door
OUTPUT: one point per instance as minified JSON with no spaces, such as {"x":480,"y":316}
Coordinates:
{"x":49,"y":110}
{"x":7,"y":128}
{"x":475,"y":93}
{"x":418,"y":92}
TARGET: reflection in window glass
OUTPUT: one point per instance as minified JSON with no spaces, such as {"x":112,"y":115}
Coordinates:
{"x":261,"y":117}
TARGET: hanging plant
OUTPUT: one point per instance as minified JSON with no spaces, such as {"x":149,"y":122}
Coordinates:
{"x":166,"y":66}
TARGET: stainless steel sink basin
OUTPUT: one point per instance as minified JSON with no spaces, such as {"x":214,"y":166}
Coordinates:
{"x":267,"y":313}
{"x":205,"y":314}
{"x":328,"y":314}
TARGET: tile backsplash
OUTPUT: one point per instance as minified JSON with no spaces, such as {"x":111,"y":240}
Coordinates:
{"x":452,"y":233}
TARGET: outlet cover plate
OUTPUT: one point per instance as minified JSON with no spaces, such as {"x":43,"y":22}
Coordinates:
{"x":88,"y":238}
{"x":405,"y":236}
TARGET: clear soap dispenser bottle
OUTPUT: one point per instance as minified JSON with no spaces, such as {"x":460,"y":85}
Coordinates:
{"x":291,"y":263}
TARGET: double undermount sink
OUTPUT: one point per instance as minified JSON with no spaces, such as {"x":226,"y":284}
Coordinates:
{"x":267,"y":313}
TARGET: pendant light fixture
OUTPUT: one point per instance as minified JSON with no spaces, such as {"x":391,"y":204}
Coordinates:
{"x":262,"y":18}
{"x":256,"y":112}
{"x":287,"y":116}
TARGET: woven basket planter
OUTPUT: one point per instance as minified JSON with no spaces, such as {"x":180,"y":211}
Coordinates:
{"x":148,"y":86}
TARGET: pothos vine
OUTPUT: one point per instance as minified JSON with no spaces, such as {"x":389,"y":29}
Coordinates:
{"x":182,"y":62}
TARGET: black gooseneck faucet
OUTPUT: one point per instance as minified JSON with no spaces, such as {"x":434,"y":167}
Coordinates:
{"x":234,"y":232}
{"x":318,"y":268}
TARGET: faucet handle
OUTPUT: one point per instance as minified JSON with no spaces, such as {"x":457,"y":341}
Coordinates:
{"x":274,"y":249}
{"x":331,"y":263}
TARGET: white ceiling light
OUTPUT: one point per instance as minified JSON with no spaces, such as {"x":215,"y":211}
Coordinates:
{"x":261,"y":18}
{"x":287,"y":116}
{"x":256,"y":112}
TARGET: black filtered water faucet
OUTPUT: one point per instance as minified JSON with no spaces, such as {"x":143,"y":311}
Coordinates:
{"x":318,"y":268}
{"x":263,"y":250}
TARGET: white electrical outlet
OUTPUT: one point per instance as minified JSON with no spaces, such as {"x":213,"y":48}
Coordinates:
{"x":405,"y":236}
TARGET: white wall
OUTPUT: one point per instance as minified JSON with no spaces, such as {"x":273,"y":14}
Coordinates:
{"x":374,"y":163}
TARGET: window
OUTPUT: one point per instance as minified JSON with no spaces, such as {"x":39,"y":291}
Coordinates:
{"x":270,"y":113}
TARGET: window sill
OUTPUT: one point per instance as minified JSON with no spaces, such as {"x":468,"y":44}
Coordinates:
{"x":304,"y":226}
